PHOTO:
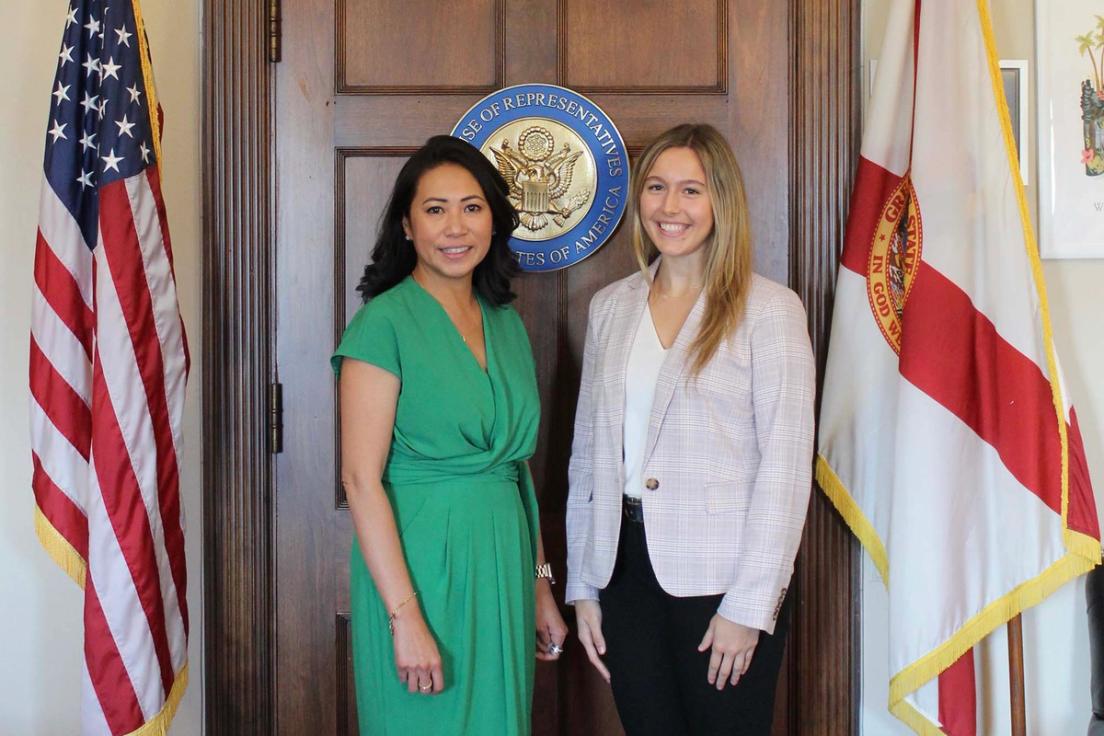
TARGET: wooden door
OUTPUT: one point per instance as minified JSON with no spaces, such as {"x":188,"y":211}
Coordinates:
{"x":360,"y":85}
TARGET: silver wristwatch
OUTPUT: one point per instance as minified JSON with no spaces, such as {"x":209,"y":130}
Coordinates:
{"x":545,"y":571}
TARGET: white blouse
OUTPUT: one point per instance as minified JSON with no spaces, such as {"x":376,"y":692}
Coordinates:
{"x":645,"y":359}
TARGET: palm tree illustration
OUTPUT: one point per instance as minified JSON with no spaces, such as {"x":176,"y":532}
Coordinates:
{"x":1087,"y":43}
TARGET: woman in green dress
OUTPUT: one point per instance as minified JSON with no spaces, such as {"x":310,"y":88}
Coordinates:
{"x":439,"y":413}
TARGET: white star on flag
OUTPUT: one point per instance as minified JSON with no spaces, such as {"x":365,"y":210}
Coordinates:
{"x":89,"y":102}
{"x":92,"y":65}
{"x":124,"y":127}
{"x":111,"y":161}
{"x":71,"y":18}
{"x":103,"y":107}
{"x":58,"y":131}
{"x":87,"y":142}
{"x":145,"y":152}
{"x":111,"y":69}
{"x":85,"y":179}
{"x":124,"y":36}
{"x":134,"y":93}
{"x":61,"y":93}
{"x":93,"y":26}
{"x":66,"y":54}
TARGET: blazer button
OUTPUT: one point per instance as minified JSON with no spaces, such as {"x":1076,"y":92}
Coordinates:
{"x":651,"y":484}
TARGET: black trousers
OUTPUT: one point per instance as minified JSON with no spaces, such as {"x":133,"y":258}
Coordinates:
{"x":656,"y":671}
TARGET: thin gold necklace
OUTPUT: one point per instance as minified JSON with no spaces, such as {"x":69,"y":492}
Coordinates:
{"x":693,"y":291}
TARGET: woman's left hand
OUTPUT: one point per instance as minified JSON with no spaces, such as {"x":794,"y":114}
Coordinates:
{"x":733,"y":646}
{"x":551,"y":629}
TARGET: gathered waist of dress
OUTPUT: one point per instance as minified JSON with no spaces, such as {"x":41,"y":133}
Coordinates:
{"x":444,"y":474}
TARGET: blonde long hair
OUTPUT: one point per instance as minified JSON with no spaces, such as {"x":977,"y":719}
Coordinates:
{"x":728,"y":260}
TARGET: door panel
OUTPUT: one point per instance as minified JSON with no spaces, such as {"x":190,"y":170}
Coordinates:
{"x":672,"y":47}
{"x":455,"y":45}
{"x":360,"y":86}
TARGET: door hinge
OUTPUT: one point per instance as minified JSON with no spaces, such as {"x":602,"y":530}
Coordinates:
{"x":275,"y":417}
{"x":274,"y":35}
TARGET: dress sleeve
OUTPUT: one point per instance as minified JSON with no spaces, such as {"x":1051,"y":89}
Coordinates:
{"x":370,"y":338}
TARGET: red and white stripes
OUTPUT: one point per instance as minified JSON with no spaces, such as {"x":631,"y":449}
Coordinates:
{"x":109,"y":364}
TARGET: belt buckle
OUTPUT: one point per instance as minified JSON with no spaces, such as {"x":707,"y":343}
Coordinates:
{"x":632,"y":508}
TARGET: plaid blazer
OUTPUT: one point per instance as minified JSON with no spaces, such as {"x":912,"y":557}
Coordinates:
{"x":727,"y":460}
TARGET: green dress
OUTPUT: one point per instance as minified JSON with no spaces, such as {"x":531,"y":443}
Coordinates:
{"x":466,"y":511}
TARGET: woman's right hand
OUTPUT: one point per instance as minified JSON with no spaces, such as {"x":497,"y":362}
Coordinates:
{"x":416,"y":656}
{"x":588,"y":616}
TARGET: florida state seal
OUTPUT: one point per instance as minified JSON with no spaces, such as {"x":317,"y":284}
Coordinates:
{"x":894,"y":260}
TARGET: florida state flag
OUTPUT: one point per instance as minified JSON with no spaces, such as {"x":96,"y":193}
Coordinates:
{"x":947,"y":441}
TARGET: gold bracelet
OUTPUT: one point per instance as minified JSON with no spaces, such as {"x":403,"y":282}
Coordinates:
{"x":395,"y":613}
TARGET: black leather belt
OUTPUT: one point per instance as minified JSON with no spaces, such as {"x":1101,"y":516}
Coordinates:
{"x":633,"y":509}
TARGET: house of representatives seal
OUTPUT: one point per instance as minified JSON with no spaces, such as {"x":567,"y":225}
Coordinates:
{"x":565,"y":164}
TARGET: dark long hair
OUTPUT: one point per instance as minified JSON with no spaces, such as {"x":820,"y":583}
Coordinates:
{"x":393,"y":257}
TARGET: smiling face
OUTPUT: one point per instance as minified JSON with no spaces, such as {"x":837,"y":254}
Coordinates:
{"x":449,"y":223}
{"x":675,"y":208}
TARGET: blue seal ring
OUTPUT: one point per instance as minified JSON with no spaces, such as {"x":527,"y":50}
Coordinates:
{"x":588,"y":121}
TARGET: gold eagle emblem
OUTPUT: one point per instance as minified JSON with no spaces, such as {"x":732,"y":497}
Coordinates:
{"x":539,"y":178}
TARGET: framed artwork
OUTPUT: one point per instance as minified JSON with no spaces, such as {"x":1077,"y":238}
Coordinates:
{"x":1014,"y":77}
{"x":1070,"y":55}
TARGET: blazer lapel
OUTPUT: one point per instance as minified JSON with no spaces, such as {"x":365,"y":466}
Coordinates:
{"x":627,"y":314}
{"x":673,"y":366}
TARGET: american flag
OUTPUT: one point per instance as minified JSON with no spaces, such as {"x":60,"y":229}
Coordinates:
{"x":109,"y":363}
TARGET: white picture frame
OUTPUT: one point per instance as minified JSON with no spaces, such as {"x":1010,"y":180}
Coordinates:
{"x":1014,"y":75}
{"x":1071,"y":146}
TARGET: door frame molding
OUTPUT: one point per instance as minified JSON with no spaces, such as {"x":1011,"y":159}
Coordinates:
{"x":826,"y":121}
{"x":238,"y":514}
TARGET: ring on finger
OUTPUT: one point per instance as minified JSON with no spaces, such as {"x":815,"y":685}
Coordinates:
{"x":425,"y":688}
{"x":555,"y":648}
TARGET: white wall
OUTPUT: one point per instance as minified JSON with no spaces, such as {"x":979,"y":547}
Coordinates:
{"x":40,"y":613}
{"x":1057,"y":673}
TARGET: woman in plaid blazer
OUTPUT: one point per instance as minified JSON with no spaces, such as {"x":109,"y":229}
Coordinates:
{"x":692,"y":455}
